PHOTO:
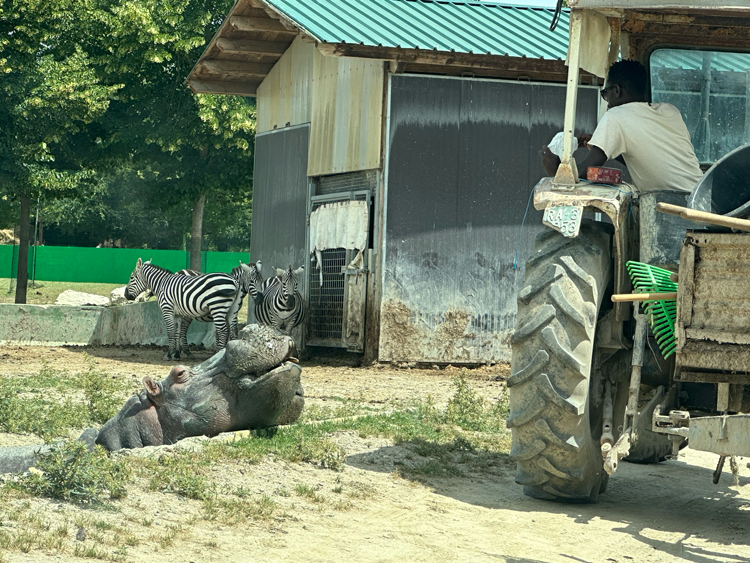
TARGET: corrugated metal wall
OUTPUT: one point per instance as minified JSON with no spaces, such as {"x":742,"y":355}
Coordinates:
{"x":341,"y":97}
{"x":462,"y":160}
{"x":285,"y":95}
{"x":280,"y":199}
{"x":347,"y":112}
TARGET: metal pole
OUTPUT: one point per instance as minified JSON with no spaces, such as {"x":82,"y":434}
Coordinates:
{"x":12,"y":261}
{"x":36,"y":233}
{"x":567,"y":172}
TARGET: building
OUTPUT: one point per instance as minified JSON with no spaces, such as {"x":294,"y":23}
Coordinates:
{"x":395,"y":154}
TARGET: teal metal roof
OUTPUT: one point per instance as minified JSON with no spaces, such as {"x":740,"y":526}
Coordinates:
{"x":463,"y":27}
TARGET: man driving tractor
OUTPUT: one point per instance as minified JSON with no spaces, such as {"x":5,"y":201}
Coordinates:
{"x":650,"y":139}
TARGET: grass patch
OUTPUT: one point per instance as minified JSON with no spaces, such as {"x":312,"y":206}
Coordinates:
{"x":53,"y":402}
{"x":238,"y":510}
{"x":69,"y":471}
{"x":183,"y":473}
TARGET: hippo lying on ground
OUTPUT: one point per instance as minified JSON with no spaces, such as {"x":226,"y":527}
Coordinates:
{"x":253,"y":383}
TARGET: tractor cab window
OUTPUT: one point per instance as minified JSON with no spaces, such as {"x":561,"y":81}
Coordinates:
{"x":712,"y":91}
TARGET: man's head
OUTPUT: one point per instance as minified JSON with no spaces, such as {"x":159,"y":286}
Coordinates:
{"x":626,"y":82}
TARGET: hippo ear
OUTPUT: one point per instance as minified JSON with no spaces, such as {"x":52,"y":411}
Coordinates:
{"x":153,"y":390}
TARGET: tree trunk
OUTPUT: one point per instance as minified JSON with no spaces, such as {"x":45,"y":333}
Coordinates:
{"x":22,"y":275}
{"x":196,"y":233}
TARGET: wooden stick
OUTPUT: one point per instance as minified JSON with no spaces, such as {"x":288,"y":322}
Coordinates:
{"x":704,"y":217}
{"x":668,"y":296}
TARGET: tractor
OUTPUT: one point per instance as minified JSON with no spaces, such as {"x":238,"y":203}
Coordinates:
{"x":589,"y":384}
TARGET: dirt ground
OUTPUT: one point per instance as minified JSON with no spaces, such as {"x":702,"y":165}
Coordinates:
{"x":667,"y":512}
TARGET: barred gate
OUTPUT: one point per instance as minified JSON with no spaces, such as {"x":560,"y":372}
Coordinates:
{"x":336,"y":307}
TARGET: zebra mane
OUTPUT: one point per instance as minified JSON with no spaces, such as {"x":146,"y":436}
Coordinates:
{"x":158,"y":268}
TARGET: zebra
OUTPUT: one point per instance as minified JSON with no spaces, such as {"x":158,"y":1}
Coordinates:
{"x":249,"y":280}
{"x":280,"y":304}
{"x":208,"y":297}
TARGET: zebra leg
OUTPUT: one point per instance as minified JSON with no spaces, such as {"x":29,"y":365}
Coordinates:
{"x":221,"y":325}
{"x":169,"y":319}
{"x":232,"y":316}
{"x":184,"y":326}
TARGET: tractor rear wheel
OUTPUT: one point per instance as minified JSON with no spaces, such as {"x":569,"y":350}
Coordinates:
{"x":554,"y":426}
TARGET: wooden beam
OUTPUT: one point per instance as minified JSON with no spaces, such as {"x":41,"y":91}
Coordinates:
{"x":240,"y":47}
{"x":258,"y":70}
{"x":443,"y":58}
{"x":242,"y":23}
{"x":553,"y":73}
{"x":224,"y":87}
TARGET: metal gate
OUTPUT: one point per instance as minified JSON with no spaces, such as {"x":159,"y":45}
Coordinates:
{"x":337,"y":292}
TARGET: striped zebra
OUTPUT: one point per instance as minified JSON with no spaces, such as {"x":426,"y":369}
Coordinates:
{"x":280,"y":304}
{"x":208,"y":297}
{"x":249,"y":280}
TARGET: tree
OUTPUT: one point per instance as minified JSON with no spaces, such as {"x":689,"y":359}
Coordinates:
{"x":49,"y":91}
{"x":195,"y":148}
{"x":93,"y":96}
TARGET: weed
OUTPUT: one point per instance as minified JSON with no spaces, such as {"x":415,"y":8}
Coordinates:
{"x":89,"y":550}
{"x":361,"y":491}
{"x":104,"y":394}
{"x":309,"y":492}
{"x":242,"y":492}
{"x":42,"y":404}
{"x":233,"y":511}
{"x":69,"y":471}
{"x":180,"y":473}
{"x":167,"y":537}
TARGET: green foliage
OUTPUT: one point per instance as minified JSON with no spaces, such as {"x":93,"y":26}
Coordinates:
{"x":468,"y":411}
{"x":49,"y":92}
{"x":98,"y":122}
{"x":69,"y":471}
{"x":182,"y":473}
{"x":239,"y":510}
{"x":42,"y":404}
{"x":103,"y":393}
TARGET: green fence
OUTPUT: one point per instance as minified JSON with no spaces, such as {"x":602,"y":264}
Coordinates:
{"x":107,"y":265}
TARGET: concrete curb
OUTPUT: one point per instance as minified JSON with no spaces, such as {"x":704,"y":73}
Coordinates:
{"x":58,"y":325}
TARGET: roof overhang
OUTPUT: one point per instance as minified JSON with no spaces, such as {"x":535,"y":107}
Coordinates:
{"x":241,"y":54}
{"x":255,"y":35}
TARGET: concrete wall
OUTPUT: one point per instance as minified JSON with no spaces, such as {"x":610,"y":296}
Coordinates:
{"x":56,"y":325}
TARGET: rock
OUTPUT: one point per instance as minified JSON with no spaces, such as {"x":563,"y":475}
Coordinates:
{"x":70,"y":297}
{"x":143,"y":297}
{"x":117,"y":296}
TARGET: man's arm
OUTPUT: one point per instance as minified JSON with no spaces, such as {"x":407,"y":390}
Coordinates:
{"x":551,"y":161}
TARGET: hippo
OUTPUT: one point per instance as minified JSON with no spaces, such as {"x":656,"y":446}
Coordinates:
{"x":253,"y":383}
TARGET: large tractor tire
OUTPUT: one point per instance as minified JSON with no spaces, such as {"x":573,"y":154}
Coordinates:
{"x":554,"y":424}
